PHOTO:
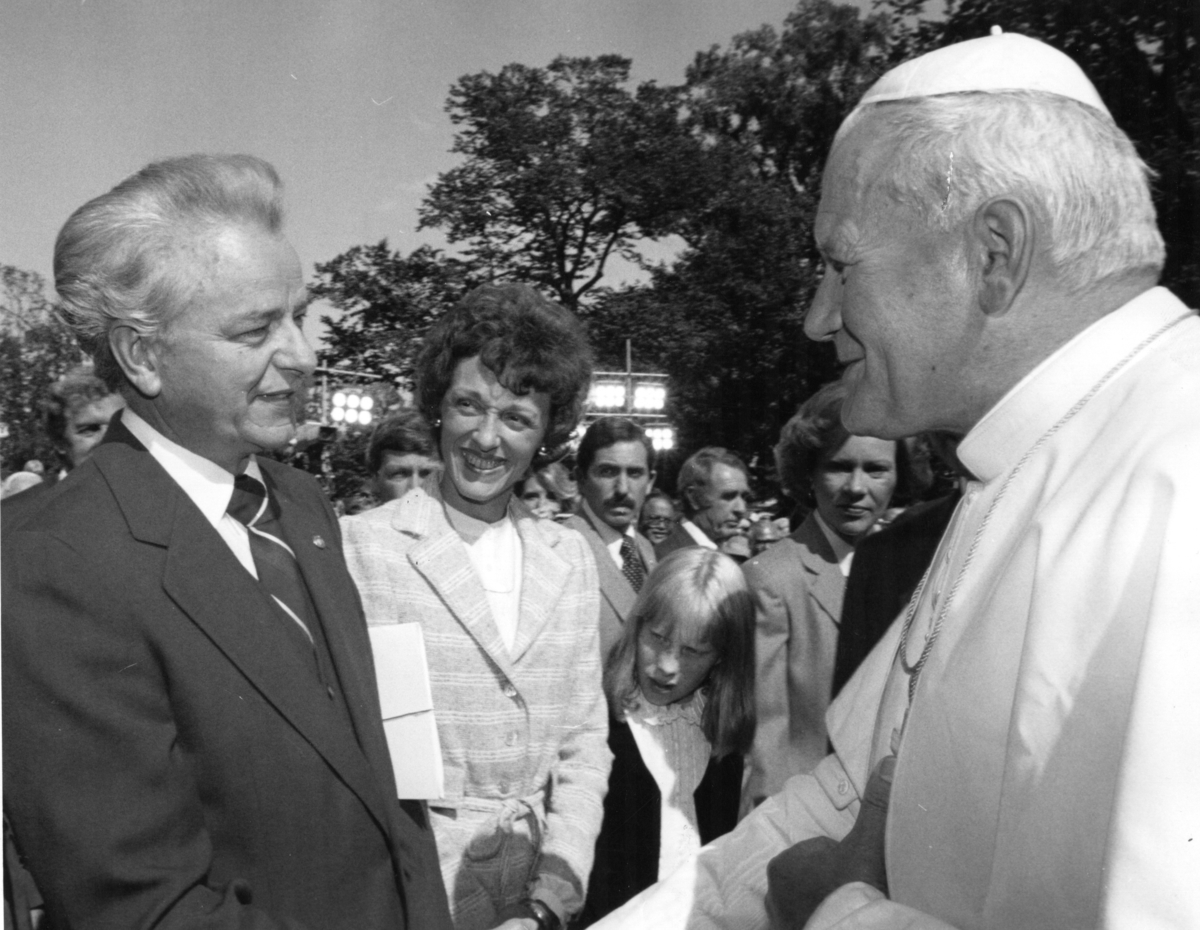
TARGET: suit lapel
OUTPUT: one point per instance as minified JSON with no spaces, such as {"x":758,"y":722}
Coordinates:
{"x":441,"y":558}
{"x":825,"y":580}
{"x":203,"y":577}
{"x":544,"y":576}
{"x":336,"y":602}
{"x":614,"y":586}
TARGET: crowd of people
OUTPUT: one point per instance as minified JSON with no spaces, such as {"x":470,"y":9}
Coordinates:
{"x":650,"y":711}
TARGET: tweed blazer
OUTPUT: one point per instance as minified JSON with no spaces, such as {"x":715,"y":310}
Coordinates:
{"x":798,"y":589}
{"x":511,"y":725}
{"x":616,"y":593}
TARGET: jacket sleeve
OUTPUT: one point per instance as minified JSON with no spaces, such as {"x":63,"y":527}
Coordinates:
{"x":579,"y":777}
{"x":767,"y":767}
{"x":101,"y":801}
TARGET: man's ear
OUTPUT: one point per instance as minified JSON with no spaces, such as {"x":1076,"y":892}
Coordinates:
{"x":650,"y":483}
{"x":134,"y":352}
{"x":1004,"y":230}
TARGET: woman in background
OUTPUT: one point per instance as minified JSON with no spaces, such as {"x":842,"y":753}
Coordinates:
{"x":798,"y":583}
{"x":550,"y":492}
{"x":509,"y":606}
{"x":681,"y":698}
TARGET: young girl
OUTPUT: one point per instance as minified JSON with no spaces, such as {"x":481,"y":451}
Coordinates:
{"x":681,"y":702}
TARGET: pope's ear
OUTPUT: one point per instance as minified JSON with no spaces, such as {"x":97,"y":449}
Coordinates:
{"x":134,"y":352}
{"x":1004,"y":231}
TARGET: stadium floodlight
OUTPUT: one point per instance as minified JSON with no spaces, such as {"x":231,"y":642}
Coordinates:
{"x":661,"y":437}
{"x":649,"y":397}
{"x":352,"y":407}
{"x":608,"y":395}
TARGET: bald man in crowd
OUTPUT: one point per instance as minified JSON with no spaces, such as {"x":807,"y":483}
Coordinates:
{"x":992,"y":258}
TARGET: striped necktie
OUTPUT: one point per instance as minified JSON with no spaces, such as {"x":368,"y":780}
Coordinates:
{"x":274,"y":559}
{"x":631,"y":564}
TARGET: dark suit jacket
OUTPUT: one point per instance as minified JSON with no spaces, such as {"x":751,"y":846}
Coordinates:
{"x":616,"y":593}
{"x":628,"y":846}
{"x":169,"y":759}
{"x":678,"y":538}
{"x":887,"y":567}
{"x":15,"y":510}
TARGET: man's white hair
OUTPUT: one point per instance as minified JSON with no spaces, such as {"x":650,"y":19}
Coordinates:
{"x":1066,"y":160}
{"x":123,"y":258}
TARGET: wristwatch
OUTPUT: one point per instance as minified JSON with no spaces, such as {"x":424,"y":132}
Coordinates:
{"x":546,"y":918}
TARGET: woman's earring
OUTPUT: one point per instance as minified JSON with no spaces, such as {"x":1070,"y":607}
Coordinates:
{"x":437,"y":422}
{"x":543,"y":451}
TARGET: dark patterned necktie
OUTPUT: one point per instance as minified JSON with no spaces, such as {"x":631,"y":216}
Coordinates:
{"x":274,"y":560}
{"x":631,"y":564}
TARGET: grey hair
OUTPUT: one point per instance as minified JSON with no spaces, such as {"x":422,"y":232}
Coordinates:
{"x":117,"y":259}
{"x":953,"y":152}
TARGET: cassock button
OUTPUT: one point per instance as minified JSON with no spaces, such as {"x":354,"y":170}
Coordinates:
{"x":319,"y":542}
{"x":509,"y":690}
{"x":512,"y":738}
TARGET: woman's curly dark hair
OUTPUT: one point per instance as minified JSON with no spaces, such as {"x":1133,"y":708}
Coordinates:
{"x":813,"y":434}
{"x":529,"y":343}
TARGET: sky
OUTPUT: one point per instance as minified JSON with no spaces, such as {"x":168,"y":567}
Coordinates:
{"x":344,"y":97}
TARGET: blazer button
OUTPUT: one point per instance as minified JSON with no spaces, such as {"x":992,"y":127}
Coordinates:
{"x":509,"y":690}
{"x":512,"y":738}
{"x":842,"y":786}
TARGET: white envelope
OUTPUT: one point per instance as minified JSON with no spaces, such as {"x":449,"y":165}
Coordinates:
{"x":406,"y":702}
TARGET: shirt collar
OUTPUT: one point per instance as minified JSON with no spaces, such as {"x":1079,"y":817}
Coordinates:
{"x":1046,"y":394}
{"x":697,"y":534}
{"x":207,"y":484}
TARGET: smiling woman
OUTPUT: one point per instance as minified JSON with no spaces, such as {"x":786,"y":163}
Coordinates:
{"x":509,"y":605}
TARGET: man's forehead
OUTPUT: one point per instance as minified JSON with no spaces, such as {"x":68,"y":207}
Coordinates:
{"x":851,"y":180}
{"x":626,"y":452}
{"x":726,"y":476}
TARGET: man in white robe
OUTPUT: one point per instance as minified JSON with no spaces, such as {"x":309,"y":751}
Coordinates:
{"x":992,"y":257}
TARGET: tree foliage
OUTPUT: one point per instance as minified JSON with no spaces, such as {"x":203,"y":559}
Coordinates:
{"x":564,"y":167}
{"x":35,"y":350}
{"x":386,"y":301}
{"x":726,"y":319}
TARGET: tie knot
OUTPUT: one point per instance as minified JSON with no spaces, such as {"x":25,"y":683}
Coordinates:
{"x":249,"y":500}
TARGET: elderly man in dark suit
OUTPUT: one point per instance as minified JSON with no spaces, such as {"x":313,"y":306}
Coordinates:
{"x":192,"y":730}
{"x":614,"y":475}
{"x":714,"y":486}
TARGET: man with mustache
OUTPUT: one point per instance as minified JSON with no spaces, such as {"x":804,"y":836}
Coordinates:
{"x":614,"y":475}
{"x":192,"y":732}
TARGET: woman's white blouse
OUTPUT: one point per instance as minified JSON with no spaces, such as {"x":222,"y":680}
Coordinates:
{"x":496,"y":558}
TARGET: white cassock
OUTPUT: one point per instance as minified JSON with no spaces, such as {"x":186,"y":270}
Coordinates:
{"x":1049,"y":768}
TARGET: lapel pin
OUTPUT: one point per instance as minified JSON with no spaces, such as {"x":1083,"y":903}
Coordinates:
{"x":319,"y":542}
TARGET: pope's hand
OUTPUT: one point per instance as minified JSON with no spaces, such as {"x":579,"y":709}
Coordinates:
{"x":800,"y":878}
